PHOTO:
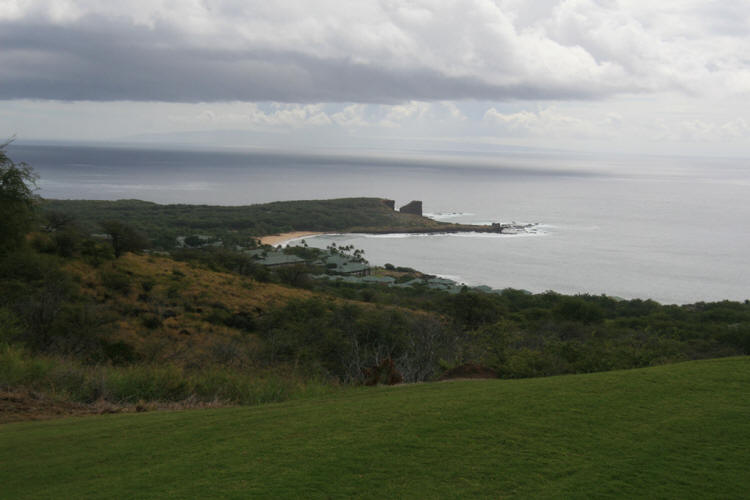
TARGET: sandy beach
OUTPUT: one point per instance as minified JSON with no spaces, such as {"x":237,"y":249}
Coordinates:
{"x":281,"y":239}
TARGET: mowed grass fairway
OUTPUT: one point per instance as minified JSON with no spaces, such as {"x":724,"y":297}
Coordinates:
{"x":677,"y":431}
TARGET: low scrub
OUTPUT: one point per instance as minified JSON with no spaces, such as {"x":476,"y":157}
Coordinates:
{"x":72,"y":381}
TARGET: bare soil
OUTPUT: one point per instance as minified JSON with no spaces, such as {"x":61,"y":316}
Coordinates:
{"x":21,"y":405}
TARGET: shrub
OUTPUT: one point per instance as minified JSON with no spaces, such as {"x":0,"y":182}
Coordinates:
{"x":10,"y":327}
{"x":194,"y":241}
{"x":17,"y":184}
{"x":116,"y":281}
{"x":175,"y":290}
{"x":42,"y":243}
{"x":151,"y":321}
{"x":94,"y":252}
{"x":578,"y":309}
{"x":124,"y":238}
{"x":147,"y":284}
{"x":165,"y":383}
{"x":18,"y":369}
{"x":405,"y":270}
{"x":119,"y":353}
{"x":65,"y":242}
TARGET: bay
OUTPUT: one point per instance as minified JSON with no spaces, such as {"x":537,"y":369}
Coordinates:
{"x":670,"y":229}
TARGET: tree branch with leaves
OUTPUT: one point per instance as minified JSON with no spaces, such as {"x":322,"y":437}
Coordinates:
{"x":17,"y":201}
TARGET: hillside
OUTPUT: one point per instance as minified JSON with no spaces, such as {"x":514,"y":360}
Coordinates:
{"x":163,"y":223}
{"x":217,"y":328}
{"x":673,"y":431}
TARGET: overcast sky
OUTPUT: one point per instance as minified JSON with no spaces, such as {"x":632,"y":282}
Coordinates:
{"x":654,"y":76}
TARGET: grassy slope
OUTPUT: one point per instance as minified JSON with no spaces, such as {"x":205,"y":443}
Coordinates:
{"x":668,"y":432}
{"x":195,"y":289}
{"x":198,"y":293}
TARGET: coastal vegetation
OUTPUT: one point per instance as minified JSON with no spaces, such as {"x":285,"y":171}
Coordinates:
{"x":217,"y":328}
{"x":240,"y":225}
{"x":17,"y":184}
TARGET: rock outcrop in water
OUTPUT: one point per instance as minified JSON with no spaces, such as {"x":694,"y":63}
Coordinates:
{"x":512,"y":228}
{"x":413,"y":207}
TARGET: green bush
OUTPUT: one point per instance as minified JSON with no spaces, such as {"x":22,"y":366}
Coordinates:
{"x":578,"y":309}
{"x":19,"y":369}
{"x":119,"y":353}
{"x":42,"y":242}
{"x":66,"y":242}
{"x":17,"y":199}
{"x":96,"y":252}
{"x":147,"y":284}
{"x":10,"y":326}
{"x":194,"y":241}
{"x":129,"y":385}
{"x":77,"y":330}
{"x":151,"y":321}
{"x":116,"y":281}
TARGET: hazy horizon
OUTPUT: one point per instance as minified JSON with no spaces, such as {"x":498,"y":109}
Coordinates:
{"x":609,"y":77}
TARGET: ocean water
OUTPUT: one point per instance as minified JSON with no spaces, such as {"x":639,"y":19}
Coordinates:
{"x":671,"y":229}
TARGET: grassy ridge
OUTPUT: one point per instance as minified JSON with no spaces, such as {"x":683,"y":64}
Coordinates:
{"x":667,"y":432}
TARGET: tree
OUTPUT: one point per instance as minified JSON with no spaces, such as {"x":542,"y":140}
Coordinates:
{"x":124,"y":238}
{"x":57,"y":221}
{"x":17,"y":185}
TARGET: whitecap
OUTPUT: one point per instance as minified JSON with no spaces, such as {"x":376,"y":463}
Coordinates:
{"x":447,"y":215}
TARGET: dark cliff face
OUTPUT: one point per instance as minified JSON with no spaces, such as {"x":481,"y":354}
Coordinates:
{"x":413,"y":207}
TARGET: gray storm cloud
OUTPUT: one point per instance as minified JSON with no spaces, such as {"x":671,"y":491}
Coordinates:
{"x":364,"y":52}
{"x":102,"y":60}
{"x":131,"y":63}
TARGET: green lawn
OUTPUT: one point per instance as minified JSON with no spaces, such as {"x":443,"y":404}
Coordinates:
{"x":677,"y":431}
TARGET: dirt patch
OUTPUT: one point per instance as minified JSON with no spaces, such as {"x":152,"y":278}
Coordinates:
{"x":469,"y":371}
{"x":20,"y":405}
{"x":17,"y":406}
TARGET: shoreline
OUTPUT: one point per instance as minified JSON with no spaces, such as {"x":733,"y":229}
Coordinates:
{"x":284,"y":238}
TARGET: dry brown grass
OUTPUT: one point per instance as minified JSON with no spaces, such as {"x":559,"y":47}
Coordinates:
{"x":21,"y":405}
{"x":182,"y":298}
{"x":174,"y":319}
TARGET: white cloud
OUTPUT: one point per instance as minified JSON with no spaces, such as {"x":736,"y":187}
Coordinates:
{"x":737,"y":128}
{"x":284,"y":115}
{"x":698,"y":130}
{"x":352,"y":116}
{"x":251,"y":115}
{"x":547,"y":122}
{"x":636,"y":126}
{"x":396,"y":115}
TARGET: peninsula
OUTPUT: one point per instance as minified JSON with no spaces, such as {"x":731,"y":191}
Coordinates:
{"x":166,"y":225}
